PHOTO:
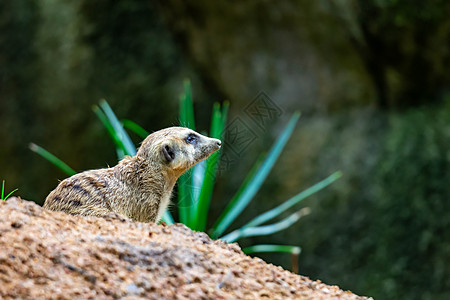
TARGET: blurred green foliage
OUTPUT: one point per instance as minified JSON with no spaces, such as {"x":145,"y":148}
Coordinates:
{"x":391,"y":219}
{"x":410,"y":233}
{"x":57,"y":59}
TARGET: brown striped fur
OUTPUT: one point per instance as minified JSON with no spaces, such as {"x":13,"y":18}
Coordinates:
{"x":138,"y":187}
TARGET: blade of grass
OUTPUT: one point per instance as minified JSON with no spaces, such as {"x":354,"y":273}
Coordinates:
{"x":202,"y":205}
{"x":266,"y":229}
{"x":52,"y":158}
{"x":128,"y":124}
{"x":7,"y":196}
{"x":238,"y":203}
{"x":293,"y":201}
{"x":3,"y":189}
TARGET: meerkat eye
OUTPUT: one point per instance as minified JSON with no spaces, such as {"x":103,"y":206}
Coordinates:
{"x":192,"y":139}
{"x":168,"y":153}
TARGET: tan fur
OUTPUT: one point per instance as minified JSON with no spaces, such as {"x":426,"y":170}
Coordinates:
{"x":138,"y":187}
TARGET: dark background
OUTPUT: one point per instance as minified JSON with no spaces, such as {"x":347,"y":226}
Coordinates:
{"x":371,"y":79}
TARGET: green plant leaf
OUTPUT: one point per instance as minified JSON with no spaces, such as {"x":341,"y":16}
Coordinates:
{"x":120,"y":153}
{"x":266,"y":229}
{"x":212,"y":232}
{"x":52,"y":158}
{"x":198,"y":176}
{"x":218,"y":122}
{"x":120,"y":148}
{"x":224,"y":115}
{"x":167,"y":218}
{"x":294,"y":250}
{"x":272,"y":248}
{"x":293,"y":201}
{"x":185,"y":198}
{"x":187,"y":205}
{"x":120,"y":132}
{"x":204,"y":198}
{"x":242,"y":199}
{"x":185,"y":195}
{"x":187,"y":107}
{"x":128,"y":124}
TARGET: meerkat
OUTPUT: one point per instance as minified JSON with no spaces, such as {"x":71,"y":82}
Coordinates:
{"x":138,"y":187}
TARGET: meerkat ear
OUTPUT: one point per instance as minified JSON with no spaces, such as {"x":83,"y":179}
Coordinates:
{"x":168,"y":153}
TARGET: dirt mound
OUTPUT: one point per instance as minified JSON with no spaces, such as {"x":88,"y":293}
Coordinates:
{"x":50,"y":255}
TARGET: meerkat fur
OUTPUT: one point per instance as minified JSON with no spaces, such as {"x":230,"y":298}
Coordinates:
{"x":138,"y":187}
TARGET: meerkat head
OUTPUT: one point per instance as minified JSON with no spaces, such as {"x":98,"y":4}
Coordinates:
{"x":178,"y":148}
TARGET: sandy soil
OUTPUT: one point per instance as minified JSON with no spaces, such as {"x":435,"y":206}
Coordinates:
{"x":48,"y":255}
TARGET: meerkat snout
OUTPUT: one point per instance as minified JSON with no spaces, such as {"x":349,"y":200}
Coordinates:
{"x":138,"y":187}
